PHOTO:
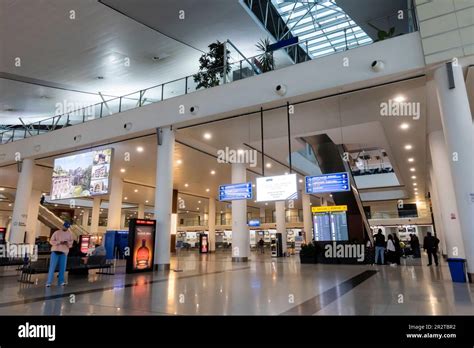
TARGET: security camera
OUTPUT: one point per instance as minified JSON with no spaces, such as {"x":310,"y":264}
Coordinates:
{"x":127,"y":126}
{"x":194,"y":110}
{"x":280,"y":90}
{"x":377,"y":65}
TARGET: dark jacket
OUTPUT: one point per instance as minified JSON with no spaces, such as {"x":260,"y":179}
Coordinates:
{"x":430,"y":243}
{"x":379,"y":240}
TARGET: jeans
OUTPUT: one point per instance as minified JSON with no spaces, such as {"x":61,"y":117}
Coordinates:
{"x":379,"y":250}
{"x":55,"y":259}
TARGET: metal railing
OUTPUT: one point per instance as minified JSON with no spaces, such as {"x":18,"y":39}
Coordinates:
{"x":235,"y":70}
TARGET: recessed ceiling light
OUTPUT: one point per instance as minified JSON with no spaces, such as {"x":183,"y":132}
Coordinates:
{"x":255,"y":201}
{"x":412,"y":169}
{"x":399,"y":99}
{"x":416,"y":189}
{"x":125,"y":198}
{"x":197,"y":208}
{"x":266,"y":203}
{"x":253,"y":185}
{"x":199,"y":202}
{"x":213,"y":172}
{"x":269,"y":165}
{"x":404,"y":126}
{"x":221,"y":211}
{"x":122,"y":170}
{"x":140,"y":149}
{"x":207,"y":190}
{"x":408,"y":147}
{"x":414,"y":184}
{"x":2,"y":188}
{"x":10,"y":205}
{"x":135,"y":190}
{"x":300,"y":180}
{"x":207,"y":136}
{"x":411,"y":159}
{"x":186,"y":185}
{"x":55,"y":205}
{"x":179,"y":161}
{"x":146,"y":201}
{"x":413,"y":177}
{"x":330,"y":195}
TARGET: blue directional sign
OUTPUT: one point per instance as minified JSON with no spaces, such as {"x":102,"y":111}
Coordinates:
{"x":335,"y":182}
{"x":235,"y":191}
{"x":254,"y":223}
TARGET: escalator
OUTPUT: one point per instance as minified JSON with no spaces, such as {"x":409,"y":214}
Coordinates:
{"x":48,"y":218}
{"x":329,"y":157}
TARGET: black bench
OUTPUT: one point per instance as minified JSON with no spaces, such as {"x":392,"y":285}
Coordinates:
{"x":74,"y":266}
{"x":11,"y":261}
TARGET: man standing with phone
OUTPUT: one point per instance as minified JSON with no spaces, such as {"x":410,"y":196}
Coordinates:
{"x":61,"y":241}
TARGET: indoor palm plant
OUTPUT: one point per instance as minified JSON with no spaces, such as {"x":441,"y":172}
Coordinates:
{"x":265,"y":60}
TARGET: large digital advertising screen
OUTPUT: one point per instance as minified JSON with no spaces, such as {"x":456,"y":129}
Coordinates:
{"x":141,"y":241}
{"x":82,"y":175}
{"x":277,"y":188}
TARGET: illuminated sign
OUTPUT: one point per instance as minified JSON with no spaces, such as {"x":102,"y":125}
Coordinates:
{"x":235,"y":191}
{"x":335,"y":182}
{"x":277,"y":188}
{"x":324,"y":209}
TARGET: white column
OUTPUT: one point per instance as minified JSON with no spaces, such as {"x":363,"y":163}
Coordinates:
{"x":164,"y":197}
{"x":438,"y":221}
{"x":324,"y":202}
{"x":307,"y":218}
{"x":95,"y":215}
{"x":212,"y":224}
{"x":22,"y":201}
{"x":85,"y":219}
{"x":31,"y":221}
{"x":443,"y":183}
{"x":141,"y":211}
{"x":281,"y":223}
{"x":240,"y":230}
{"x":115,"y":201}
{"x":458,"y":133}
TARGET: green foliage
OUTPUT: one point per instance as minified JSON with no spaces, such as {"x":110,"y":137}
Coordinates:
{"x":266,"y":60}
{"x":382,"y":34}
{"x":211,"y":66}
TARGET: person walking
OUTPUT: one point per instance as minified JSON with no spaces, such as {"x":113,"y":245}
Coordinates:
{"x":61,"y":241}
{"x":430,"y":244}
{"x":261,"y":245}
{"x":391,"y":251}
{"x":398,"y":249}
{"x":415,"y":246}
{"x":379,"y":247}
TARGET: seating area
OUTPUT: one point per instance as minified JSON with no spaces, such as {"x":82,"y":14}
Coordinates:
{"x":76,"y":265}
{"x":11,"y":261}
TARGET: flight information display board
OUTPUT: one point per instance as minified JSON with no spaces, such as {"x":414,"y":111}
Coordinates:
{"x":330,"y":223}
{"x":235,"y":191}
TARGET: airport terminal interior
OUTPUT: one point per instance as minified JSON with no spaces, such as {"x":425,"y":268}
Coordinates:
{"x":237,"y":157}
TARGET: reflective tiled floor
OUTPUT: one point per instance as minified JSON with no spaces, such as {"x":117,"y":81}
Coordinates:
{"x":212,"y":284}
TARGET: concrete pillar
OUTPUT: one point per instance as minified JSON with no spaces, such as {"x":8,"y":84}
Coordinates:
{"x":141,"y":211}
{"x":240,"y":230}
{"x":457,"y":123}
{"x":438,"y":221}
{"x":443,"y":183}
{"x":22,"y":201}
{"x":281,"y":223}
{"x":307,"y":218}
{"x":115,"y":201}
{"x":123,"y":218}
{"x":85,"y":218}
{"x":95,"y":215}
{"x":31,"y":221}
{"x":212,"y":224}
{"x":164,"y":197}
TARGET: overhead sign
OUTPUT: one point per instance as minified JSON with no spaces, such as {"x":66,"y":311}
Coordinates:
{"x":254,"y":223}
{"x":277,"y":188}
{"x":282,"y":43}
{"x":235,"y":191}
{"x":335,"y":182}
{"x":325,"y":209}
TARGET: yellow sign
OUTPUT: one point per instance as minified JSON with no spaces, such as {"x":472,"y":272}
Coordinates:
{"x":325,"y":209}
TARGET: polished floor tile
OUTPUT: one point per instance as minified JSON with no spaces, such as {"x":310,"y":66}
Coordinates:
{"x":213,"y":285}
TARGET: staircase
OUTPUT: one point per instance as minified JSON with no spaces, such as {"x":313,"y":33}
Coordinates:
{"x":48,"y":218}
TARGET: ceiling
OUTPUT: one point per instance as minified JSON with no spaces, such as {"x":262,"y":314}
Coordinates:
{"x":63,"y":54}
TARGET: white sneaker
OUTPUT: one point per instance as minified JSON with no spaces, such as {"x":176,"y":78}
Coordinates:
{"x":63,"y":284}
{"x":48,"y":285}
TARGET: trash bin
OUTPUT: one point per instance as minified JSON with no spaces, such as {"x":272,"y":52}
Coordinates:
{"x":457,"y":269}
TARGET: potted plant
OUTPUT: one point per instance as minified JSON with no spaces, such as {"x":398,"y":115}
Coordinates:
{"x":308,"y":253}
{"x":211,"y":66}
{"x":266,"y":61}
{"x":382,"y":34}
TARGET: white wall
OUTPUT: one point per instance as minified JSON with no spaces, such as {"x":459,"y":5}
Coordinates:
{"x":400,"y":54}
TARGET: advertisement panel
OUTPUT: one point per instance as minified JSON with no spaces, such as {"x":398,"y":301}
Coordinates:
{"x":81,"y":175}
{"x":277,"y":188}
{"x":141,"y":243}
